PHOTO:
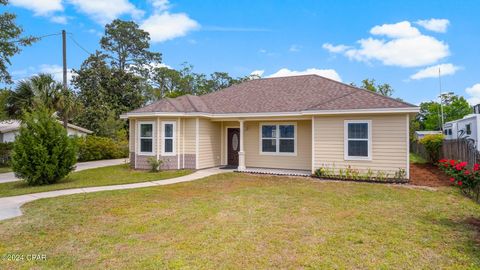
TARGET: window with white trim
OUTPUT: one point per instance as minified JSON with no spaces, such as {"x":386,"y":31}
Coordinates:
{"x":146,"y":132}
{"x":168,"y":135}
{"x":278,"y":139}
{"x":358,"y":139}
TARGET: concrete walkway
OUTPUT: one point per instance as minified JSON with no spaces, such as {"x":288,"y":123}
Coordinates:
{"x":10,"y":206}
{"x":10,"y":177}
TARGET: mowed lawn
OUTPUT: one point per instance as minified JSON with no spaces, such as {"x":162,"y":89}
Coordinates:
{"x":240,"y":221}
{"x":104,"y":176}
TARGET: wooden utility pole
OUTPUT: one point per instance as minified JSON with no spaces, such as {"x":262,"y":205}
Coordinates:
{"x":64,"y":45}
{"x":65,"y":89}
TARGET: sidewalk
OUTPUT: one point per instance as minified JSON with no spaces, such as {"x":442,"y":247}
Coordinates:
{"x":10,"y":206}
{"x":10,"y":176}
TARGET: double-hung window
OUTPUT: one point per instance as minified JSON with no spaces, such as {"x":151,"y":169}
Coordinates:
{"x":168,"y":133}
{"x":278,"y":139}
{"x":146,"y":132}
{"x":358,"y":140}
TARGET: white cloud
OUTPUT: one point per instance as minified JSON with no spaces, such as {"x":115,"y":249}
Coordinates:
{"x":474,"y":92}
{"x":105,"y":11}
{"x":407,"y":47}
{"x":435,"y":25}
{"x":432,"y":72}
{"x":56,"y":71}
{"x":294,"y":48}
{"x":168,"y":26}
{"x":160,"y":5}
{"x":59,"y":19}
{"x":258,"y":72}
{"x":335,"y":49}
{"x":328,"y":73}
{"x":397,"y":30}
{"x":39,"y":7}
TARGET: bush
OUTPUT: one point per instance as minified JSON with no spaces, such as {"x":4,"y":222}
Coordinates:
{"x":96,"y":148}
{"x":468,"y":180}
{"x":433,"y":144}
{"x":155,"y":164}
{"x":42,"y":151}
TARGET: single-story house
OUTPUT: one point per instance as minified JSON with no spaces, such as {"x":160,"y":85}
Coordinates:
{"x":10,"y":128}
{"x":419,"y":134}
{"x":298,"y":123}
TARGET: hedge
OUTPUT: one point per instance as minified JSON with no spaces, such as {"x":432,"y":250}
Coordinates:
{"x":96,"y":148}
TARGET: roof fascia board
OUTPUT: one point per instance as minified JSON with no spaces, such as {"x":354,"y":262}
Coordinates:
{"x":268,"y":114}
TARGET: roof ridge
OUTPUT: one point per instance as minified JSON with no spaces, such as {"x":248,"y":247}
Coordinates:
{"x":330,"y":100}
{"x":369,"y":91}
{"x":172,"y":103}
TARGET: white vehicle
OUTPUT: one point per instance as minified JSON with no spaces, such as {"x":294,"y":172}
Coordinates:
{"x":465,"y":128}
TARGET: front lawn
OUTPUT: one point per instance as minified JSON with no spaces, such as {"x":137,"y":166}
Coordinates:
{"x":5,"y":169}
{"x":240,"y":221}
{"x":111,"y":175}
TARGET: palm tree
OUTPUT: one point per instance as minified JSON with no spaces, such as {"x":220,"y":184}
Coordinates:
{"x":41,"y":91}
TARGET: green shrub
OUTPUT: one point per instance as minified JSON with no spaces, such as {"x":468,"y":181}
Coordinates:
{"x":96,"y":148}
{"x":42,"y":151}
{"x":155,"y":164}
{"x":433,"y":144}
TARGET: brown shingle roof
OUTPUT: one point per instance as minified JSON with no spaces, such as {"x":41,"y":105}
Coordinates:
{"x":282,"y":94}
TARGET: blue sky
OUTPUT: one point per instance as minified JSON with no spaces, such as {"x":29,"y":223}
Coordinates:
{"x":397,"y":42}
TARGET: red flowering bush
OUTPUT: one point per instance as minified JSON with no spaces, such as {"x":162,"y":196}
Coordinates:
{"x":462,"y":175}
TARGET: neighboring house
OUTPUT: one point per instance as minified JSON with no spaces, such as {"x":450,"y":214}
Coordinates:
{"x":10,"y":128}
{"x":300,"y":122}
{"x":420,"y":134}
{"x":466,"y":128}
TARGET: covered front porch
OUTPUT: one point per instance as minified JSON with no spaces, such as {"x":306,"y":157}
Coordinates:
{"x":268,"y":146}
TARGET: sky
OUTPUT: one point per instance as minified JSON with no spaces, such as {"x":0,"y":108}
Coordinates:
{"x":402,"y":43}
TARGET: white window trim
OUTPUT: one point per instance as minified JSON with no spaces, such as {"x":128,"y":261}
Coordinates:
{"x":174,"y":140}
{"x":278,"y":153}
{"x":140,"y":123}
{"x":369,"y":140}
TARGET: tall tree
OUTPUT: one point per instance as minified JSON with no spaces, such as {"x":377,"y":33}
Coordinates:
{"x":128,"y":46}
{"x":454,"y":107}
{"x":10,"y":42}
{"x":383,"y":89}
{"x":93,"y":81}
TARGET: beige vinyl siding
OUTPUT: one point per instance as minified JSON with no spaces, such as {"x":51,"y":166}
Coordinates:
{"x":389,"y":143}
{"x":189,"y":135}
{"x":209,"y":144}
{"x":302,"y":161}
{"x":132,"y":135}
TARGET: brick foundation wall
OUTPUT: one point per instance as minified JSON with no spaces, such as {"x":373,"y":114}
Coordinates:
{"x":169,"y":162}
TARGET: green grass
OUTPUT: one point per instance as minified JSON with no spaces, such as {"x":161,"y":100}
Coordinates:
{"x":239,"y":221}
{"x":5,"y":169}
{"x":111,"y":175}
{"x":416,"y":159}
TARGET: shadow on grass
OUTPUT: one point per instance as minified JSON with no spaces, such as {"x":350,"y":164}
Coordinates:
{"x":470,"y":224}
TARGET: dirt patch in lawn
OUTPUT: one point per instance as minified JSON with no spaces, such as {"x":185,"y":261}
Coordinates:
{"x":475,"y":222}
{"x":428,"y":175}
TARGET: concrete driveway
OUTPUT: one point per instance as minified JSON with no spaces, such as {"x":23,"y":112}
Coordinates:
{"x":10,"y":177}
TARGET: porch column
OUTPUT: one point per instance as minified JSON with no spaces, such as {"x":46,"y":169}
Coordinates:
{"x":241,"y":153}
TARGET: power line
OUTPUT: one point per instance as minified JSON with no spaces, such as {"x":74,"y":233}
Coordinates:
{"x":70,"y":35}
{"x":39,"y":37}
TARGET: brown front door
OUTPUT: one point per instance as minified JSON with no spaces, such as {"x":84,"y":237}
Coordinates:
{"x":233,"y":146}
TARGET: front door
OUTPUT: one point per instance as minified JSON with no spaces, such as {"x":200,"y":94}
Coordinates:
{"x":233,"y":146}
